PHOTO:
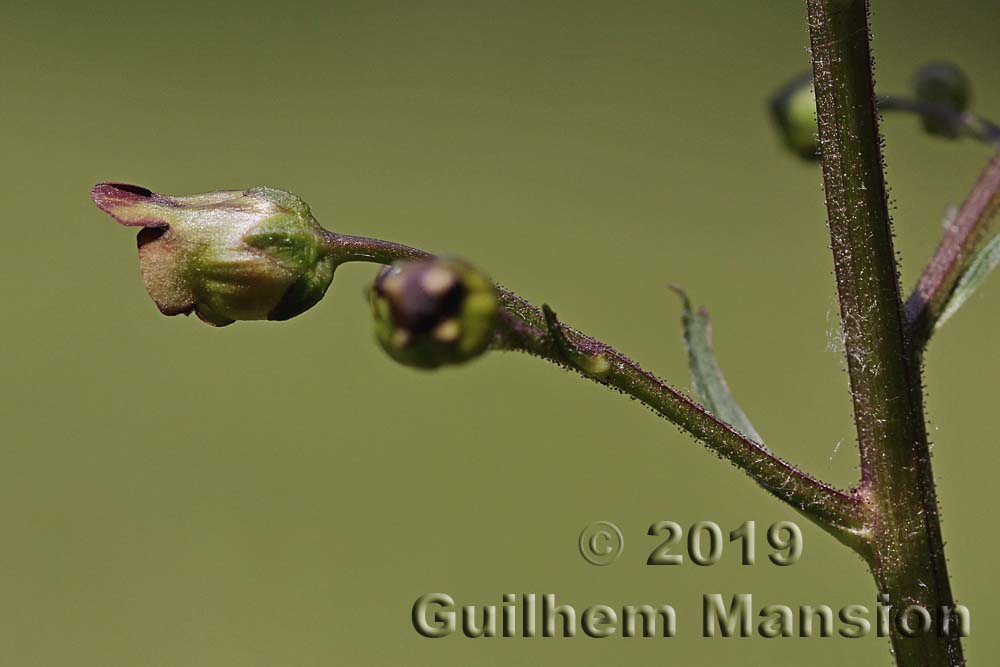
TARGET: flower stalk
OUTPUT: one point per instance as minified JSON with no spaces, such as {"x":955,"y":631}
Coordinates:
{"x":525,"y":328}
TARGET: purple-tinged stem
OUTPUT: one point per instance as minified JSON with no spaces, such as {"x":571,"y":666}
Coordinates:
{"x":907,"y":558}
{"x":958,"y":247}
{"x":838,"y":512}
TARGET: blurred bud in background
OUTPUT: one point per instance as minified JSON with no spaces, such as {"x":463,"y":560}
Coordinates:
{"x":793,"y":109}
{"x":942,"y":84}
{"x":226,"y":255}
{"x":434,"y":312}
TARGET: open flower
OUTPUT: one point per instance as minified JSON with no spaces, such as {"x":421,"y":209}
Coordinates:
{"x":226,"y":255}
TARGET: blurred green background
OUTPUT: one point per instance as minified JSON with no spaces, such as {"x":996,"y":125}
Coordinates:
{"x":279,"y":494}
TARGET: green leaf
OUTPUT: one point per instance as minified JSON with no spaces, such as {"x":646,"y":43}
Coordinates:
{"x":974,"y":276}
{"x":709,"y":384}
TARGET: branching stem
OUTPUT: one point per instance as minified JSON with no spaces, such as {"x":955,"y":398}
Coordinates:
{"x":892,"y":519}
{"x":525,"y":329}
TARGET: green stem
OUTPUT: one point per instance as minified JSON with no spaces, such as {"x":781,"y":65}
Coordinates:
{"x":907,"y":556}
{"x":525,"y":329}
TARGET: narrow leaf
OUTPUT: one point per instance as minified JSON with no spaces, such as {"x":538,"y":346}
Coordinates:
{"x":709,"y":384}
{"x":974,"y":276}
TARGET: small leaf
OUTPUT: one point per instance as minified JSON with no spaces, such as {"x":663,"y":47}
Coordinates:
{"x":707,"y":379}
{"x":974,"y":276}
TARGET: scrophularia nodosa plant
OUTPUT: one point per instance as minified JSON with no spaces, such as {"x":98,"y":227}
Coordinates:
{"x":259,"y":254}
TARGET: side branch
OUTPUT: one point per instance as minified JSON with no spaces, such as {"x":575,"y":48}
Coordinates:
{"x":841,"y":513}
{"x":957,"y":248}
{"x":526,"y":328}
{"x":963,"y":122}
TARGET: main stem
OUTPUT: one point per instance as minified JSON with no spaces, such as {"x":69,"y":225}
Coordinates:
{"x":907,"y":557}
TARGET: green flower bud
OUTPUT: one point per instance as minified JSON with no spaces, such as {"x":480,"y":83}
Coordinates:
{"x":433,"y":312}
{"x":793,"y":110}
{"x":227,"y":255}
{"x":942,"y":84}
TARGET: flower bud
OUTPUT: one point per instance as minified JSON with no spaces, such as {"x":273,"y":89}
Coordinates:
{"x":793,"y":110}
{"x":942,"y":84}
{"x":433,"y":312}
{"x":226,"y":255}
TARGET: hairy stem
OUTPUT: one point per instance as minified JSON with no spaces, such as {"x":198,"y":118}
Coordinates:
{"x":839,"y":512}
{"x":961,"y":240}
{"x":908,"y":554}
{"x":525,"y":329}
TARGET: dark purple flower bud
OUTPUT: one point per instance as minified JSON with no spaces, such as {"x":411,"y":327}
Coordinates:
{"x":433,"y":312}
